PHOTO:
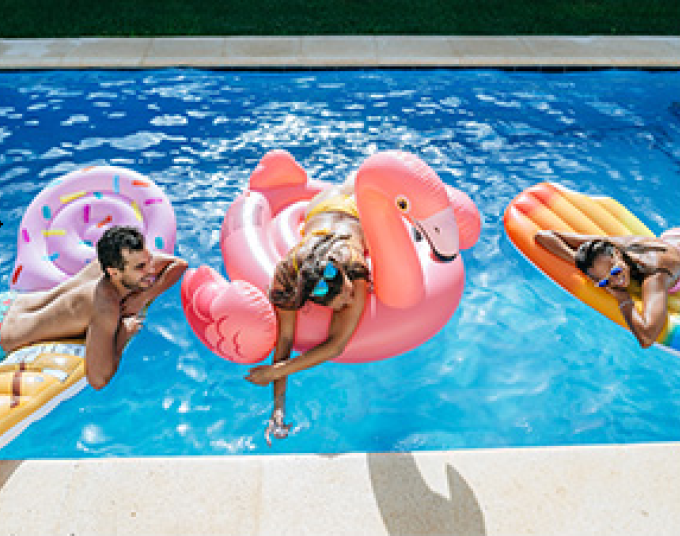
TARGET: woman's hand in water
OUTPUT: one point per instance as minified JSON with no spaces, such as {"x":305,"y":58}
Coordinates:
{"x":276,"y":426}
{"x":261,"y":375}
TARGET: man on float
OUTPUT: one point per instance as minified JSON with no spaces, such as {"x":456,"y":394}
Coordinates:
{"x":103,"y":303}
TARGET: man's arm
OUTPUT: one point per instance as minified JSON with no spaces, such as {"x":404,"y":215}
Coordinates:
{"x":168,"y":269}
{"x":102,"y":351}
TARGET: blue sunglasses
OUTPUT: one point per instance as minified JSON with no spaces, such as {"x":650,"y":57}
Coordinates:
{"x":321,"y":287}
{"x":604,"y":282}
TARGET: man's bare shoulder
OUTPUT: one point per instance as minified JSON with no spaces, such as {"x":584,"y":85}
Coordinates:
{"x":106,"y":298}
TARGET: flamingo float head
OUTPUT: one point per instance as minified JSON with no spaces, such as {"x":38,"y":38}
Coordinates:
{"x":392,"y":185}
{"x":419,"y":195}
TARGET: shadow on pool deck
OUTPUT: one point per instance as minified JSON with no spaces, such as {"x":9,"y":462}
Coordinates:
{"x":7,"y":469}
{"x":409,"y":506}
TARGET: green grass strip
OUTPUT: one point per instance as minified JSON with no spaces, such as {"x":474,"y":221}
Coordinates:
{"x":79,"y":18}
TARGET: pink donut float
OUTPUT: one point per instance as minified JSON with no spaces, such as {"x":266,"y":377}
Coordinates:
{"x":62,"y":225}
{"x":415,"y":291}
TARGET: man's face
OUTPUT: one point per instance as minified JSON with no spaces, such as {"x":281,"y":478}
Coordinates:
{"x":137,"y":272}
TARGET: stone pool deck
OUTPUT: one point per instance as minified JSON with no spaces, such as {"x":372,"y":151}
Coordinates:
{"x":600,"y":490}
{"x":579,"y":491}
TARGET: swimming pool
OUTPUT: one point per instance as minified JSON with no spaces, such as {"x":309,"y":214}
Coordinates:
{"x":520,"y":364}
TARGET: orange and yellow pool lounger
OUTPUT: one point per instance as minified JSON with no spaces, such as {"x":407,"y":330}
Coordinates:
{"x":549,"y":206}
{"x":35,"y":379}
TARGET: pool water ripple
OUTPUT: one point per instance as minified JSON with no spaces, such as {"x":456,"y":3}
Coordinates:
{"x":520,"y":364}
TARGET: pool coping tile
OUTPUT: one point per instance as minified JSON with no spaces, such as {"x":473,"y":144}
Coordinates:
{"x":94,"y":52}
{"x":430,"y":51}
{"x":611,"y":51}
{"x":337,"y":51}
{"x":190,"y":51}
{"x":492,"y":51}
{"x":33,"y":53}
{"x":262,"y":51}
{"x":298,"y":52}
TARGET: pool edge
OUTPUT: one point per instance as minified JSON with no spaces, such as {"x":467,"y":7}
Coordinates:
{"x":532,"y":52}
{"x":631,"y":489}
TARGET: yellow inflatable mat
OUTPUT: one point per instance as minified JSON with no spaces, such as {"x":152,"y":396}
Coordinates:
{"x":35,"y":379}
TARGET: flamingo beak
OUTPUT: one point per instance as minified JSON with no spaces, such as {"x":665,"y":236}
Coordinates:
{"x":441,"y":232}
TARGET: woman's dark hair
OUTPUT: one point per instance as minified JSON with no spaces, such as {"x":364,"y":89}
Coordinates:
{"x":592,"y":249}
{"x":112,"y":243}
{"x":293,"y":289}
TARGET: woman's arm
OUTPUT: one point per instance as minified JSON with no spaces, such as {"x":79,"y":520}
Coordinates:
{"x":284,"y":345}
{"x":343,"y":325}
{"x":563,"y":245}
{"x":646,"y":326}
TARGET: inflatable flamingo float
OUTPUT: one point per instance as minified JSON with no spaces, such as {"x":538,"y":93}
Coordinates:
{"x":418,"y":276}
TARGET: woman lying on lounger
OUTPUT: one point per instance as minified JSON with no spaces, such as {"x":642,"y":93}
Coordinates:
{"x":614,"y":262}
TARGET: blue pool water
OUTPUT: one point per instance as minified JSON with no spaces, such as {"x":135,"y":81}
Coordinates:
{"x":521,"y":363}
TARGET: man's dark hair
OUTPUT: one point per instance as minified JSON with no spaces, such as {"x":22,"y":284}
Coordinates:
{"x":112,"y":243}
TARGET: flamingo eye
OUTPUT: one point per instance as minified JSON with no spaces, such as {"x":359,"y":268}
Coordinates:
{"x":402,"y":204}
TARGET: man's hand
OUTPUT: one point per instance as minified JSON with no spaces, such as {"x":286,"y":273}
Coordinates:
{"x":276,"y":426}
{"x":130,"y":325}
{"x":261,"y":375}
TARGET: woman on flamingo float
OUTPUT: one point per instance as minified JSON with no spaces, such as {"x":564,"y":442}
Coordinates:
{"x":328,"y":267}
{"x":322,"y":298}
